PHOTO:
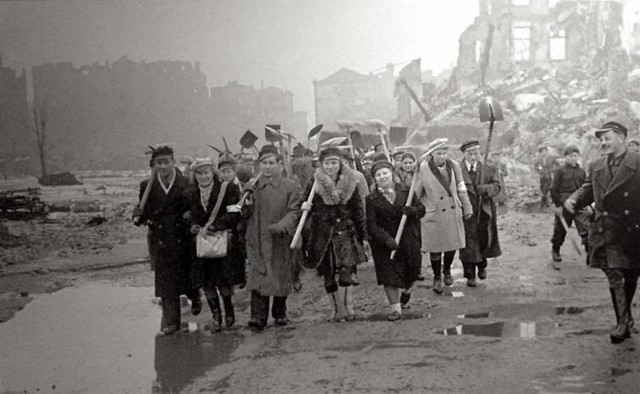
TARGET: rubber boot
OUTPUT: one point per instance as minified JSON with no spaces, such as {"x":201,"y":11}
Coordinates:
{"x":630,"y":290}
{"x":229,"y":312}
{"x":214,"y":304}
{"x":621,"y":331}
{"x":337,"y":297}
{"x":348,"y":302}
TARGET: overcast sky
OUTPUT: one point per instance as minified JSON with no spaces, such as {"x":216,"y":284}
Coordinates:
{"x":285,"y":43}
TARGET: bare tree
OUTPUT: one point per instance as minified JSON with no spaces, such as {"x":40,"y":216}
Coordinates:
{"x":40,"y":120}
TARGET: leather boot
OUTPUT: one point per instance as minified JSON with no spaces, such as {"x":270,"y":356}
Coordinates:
{"x":337,"y":298}
{"x":214,"y":304}
{"x":621,"y":331}
{"x":437,"y":285}
{"x":630,"y":291}
{"x":229,"y":313}
{"x":404,"y":300}
{"x":348,"y":302}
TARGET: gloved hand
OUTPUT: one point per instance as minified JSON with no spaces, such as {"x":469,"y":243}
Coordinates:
{"x":558,"y":210}
{"x":249,"y":187}
{"x":136,"y":216}
{"x":391,"y":243}
{"x":482,"y":190}
{"x":570,"y":205}
{"x":277,"y":229}
{"x":411,"y":212}
{"x":306,"y":206}
{"x":587,"y":211}
{"x":195,"y":229}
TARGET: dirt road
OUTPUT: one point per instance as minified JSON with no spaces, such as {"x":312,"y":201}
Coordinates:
{"x":526,"y":329}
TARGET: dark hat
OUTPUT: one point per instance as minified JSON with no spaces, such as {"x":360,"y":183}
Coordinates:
{"x":331,"y":151}
{"x":611,"y":126}
{"x":160,"y":150}
{"x":299,"y":150}
{"x":269,"y":150}
{"x":226,"y":158}
{"x":469,"y":144}
{"x":634,"y":141}
{"x":406,"y":155}
{"x":569,"y":149}
{"x":380,"y":164}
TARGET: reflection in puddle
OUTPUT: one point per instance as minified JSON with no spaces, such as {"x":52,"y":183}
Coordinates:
{"x":101,"y":338}
{"x":571,"y":310}
{"x":508,"y":329}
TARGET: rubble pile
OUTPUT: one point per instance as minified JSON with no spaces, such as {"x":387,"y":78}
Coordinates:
{"x":21,"y":204}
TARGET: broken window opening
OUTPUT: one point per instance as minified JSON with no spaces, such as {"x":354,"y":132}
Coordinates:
{"x":521,"y":34}
{"x":558,"y":45}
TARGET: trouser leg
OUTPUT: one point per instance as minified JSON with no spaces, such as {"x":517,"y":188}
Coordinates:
{"x":630,"y":286}
{"x":259,"y":310}
{"x":170,"y":312}
{"x":436,"y":264}
{"x":229,"y":313}
{"x":469,"y":270}
{"x":279,"y":307}
{"x":616,"y":277}
{"x":211,"y":294}
{"x":559,"y":233}
{"x":448,"y":261}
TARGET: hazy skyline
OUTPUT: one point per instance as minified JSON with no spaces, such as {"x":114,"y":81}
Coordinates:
{"x":283,"y":43}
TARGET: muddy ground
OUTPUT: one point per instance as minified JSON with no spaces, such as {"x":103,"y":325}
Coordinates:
{"x":90,"y":320}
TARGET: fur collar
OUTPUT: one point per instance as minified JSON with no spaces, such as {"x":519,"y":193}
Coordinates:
{"x":336,"y":193}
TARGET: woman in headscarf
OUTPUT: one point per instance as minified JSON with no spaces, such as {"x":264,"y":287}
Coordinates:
{"x":216,"y":274}
{"x":407,"y":168}
{"x":385,"y":207}
{"x":337,"y":229}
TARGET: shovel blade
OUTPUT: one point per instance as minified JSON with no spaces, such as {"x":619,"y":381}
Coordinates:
{"x":248,"y":139}
{"x":490,"y":110}
{"x":314,"y":131}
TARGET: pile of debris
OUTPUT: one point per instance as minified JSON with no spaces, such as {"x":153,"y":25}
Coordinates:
{"x":22,"y":204}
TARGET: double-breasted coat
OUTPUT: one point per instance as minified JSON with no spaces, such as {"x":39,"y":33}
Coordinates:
{"x":275,"y":202}
{"x":168,"y":236}
{"x":445,"y":202}
{"x":614,"y":237}
{"x":383,"y":220}
{"x":224,"y":271}
{"x":481,"y":236}
{"x":336,"y":219}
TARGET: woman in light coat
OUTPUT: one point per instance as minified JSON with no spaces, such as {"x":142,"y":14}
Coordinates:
{"x":443,"y":193}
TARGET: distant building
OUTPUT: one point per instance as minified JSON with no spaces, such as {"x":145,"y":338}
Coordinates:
{"x":18,"y":142}
{"x":351,"y":96}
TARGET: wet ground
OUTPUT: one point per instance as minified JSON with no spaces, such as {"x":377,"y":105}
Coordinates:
{"x":526,"y":329}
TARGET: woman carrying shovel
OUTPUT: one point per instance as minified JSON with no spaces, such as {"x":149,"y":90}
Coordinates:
{"x":385,"y":207}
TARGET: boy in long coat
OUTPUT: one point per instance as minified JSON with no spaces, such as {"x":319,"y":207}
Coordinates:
{"x":481,"y":229}
{"x":443,"y":192}
{"x":168,"y":236}
{"x":272,"y":214}
{"x":613,"y":184}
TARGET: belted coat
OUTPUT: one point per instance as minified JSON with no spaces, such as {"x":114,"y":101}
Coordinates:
{"x":481,"y":236}
{"x":614,"y":237}
{"x":275,"y":202}
{"x":337,"y":218}
{"x":445,"y":201}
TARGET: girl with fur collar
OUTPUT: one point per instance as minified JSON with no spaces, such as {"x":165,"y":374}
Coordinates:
{"x":337,"y":229}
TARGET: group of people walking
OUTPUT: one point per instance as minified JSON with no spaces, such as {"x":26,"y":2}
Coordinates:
{"x":354,"y":212}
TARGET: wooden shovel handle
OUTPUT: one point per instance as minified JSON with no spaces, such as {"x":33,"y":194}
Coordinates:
{"x":245,"y":195}
{"x":303,"y":218}
{"x":147,"y":190}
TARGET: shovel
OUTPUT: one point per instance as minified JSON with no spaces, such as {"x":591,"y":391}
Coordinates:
{"x":245,"y":195}
{"x":303,"y":218}
{"x":412,"y":190}
{"x":566,"y":229}
{"x":491,"y":112}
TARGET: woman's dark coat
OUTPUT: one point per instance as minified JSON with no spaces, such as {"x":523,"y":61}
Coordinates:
{"x":224,"y":271}
{"x":336,"y":217}
{"x":383,"y":220}
{"x":168,"y":237}
{"x":476,"y":250}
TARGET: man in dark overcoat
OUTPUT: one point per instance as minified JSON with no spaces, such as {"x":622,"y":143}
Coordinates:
{"x":613,"y":183}
{"x":168,"y":235}
{"x":481,"y":229}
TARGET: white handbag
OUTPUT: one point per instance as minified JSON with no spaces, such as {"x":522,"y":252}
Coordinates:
{"x":212,"y":246}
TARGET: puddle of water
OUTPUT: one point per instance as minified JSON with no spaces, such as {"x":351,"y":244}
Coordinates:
{"x":502,"y":329}
{"x":101,"y":338}
{"x":571,"y":310}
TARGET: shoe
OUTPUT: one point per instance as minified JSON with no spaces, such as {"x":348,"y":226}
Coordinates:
{"x":437,"y":285}
{"x":169,"y":330}
{"x":420,"y":277}
{"x":350,"y":317}
{"x":471,"y":282}
{"x":340,"y":314}
{"x":404,"y":300}
{"x":394,"y":316}
{"x":256,"y":326}
{"x":282,"y":321}
{"x":196,"y":306}
{"x":555,"y":255}
{"x":448,"y":279}
{"x":482,"y":274}
{"x":242,"y":285}
{"x":556,"y":265}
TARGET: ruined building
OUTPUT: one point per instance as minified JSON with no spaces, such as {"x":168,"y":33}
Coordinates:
{"x":15,"y":135}
{"x":349,"y":95}
{"x":521,"y":33}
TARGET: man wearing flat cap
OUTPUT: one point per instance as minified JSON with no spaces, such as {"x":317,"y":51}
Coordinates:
{"x":481,"y":229}
{"x":613,"y":183}
{"x":168,"y":236}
